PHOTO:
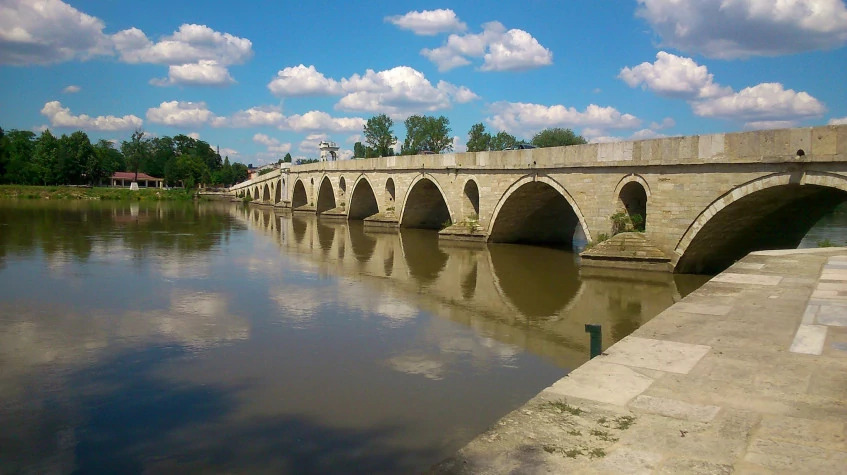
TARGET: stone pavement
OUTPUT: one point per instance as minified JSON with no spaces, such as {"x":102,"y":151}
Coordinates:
{"x":747,"y":374}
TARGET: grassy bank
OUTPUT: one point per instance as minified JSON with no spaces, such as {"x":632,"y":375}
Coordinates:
{"x":96,"y":193}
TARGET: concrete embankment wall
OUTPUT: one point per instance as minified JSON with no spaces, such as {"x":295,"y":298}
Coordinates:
{"x":748,"y":373}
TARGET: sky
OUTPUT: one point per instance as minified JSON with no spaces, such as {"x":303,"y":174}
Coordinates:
{"x":262,"y":79}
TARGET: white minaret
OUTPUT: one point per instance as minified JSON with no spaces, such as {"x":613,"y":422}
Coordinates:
{"x":328,"y":151}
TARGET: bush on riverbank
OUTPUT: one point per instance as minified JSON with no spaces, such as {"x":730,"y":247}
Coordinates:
{"x":96,"y":193}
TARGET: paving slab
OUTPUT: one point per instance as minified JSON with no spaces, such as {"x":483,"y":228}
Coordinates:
{"x":747,"y":374}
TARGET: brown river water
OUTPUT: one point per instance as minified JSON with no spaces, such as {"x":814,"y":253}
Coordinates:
{"x":214,"y":337}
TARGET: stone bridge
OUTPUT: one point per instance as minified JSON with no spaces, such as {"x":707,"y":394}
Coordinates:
{"x":706,"y":200}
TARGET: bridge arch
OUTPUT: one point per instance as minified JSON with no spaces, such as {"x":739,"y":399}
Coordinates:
{"x":771,"y":212}
{"x":538,"y":210}
{"x":277,"y":191}
{"x":326,"y":196}
{"x":362,"y":200}
{"x":342,"y":185}
{"x":390,"y":191}
{"x":424,"y":205}
{"x":632,"y":194}
{"x":299,"y":197}
{"x":470,"y":199}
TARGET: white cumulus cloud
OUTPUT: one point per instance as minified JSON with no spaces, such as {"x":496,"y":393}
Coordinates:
{"x":48,"y":31}
{"x":61,"y":117}
{"x":254,"y":116}
{"x":303,"y":81}
{"x":195,"y":54}
{"x":319,"y":120}
{"x":428,"y":22}
{"x":273,"y":145}
{"x":760,"y":106}
{"x":399,"y":91}
{"x":743,"y":28}
{"x":526,"y":119}
{"x":501,"y":50}
{"x":763,"y":102}
{"x":180,"y":114}
{"x":206,"y":72}
{"x":838,"y":121}
{"x":674,"y":76}
{"x":72,"y":89}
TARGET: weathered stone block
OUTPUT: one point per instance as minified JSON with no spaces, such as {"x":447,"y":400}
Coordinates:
{"x":711,"y":147}
{"x":688,"y":147}
{"x":669,"y":149}
{"x":824,"y":141}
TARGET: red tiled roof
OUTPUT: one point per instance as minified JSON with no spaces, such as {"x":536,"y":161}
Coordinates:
{"x":131,"y":176}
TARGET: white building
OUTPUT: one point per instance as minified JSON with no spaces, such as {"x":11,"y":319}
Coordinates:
{"x":329,"y":151}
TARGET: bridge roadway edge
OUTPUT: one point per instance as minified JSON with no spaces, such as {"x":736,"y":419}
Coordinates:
{"x":748,"y":374}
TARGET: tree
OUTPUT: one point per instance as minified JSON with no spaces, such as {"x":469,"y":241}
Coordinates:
{"x":4,"y":153}
{"x":478,"y":139}
{"x":502,"y":141}
{"x":110,"y":158}
{"x":379,"y":136}
{"x":362,"y":151}
{"x":287,"y":158}
{"x":47,"y":158}
{"x":136,"y":151}
{"x":76,"y":156}
{"x":556,"y":137}
{"x":20,"y":147}
{"x":425,"y":133}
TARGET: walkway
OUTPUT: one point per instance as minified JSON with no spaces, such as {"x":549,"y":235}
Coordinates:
{"x":747,"y":374}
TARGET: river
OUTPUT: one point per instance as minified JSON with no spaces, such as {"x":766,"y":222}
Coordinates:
{"x":217,"y":337}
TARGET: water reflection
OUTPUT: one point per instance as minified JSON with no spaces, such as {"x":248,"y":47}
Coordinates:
{"x":147,"y":337}
{"x":532,"y":297}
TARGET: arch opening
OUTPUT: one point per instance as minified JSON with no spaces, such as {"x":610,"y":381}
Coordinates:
{"x":266,"y":193}
{"x":389,"y":190}
{"x":326,"y":197}
{"x":363,"y":201}
{"x":633,"y":200}
{"x":470,"y":202}
{"x":278,"y":192}
{"x":773,"y":218}
{"x":299,"y":199}
{"x":342,"y":183}
{"x":535,"y":213}
{"x":425,"y":207}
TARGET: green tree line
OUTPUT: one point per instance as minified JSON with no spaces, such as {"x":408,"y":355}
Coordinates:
{"x":30,"y":159}
{"x":425,"y":134}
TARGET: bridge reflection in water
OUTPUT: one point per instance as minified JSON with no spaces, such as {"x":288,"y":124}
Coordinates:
{"x":534,"y":297}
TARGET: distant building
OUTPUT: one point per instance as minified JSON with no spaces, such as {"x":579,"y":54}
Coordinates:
{"x":125,"y":179}
{"x":329,"y":151}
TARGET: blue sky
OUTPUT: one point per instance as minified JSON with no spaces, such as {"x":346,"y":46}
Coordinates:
{"x":259,"y":79}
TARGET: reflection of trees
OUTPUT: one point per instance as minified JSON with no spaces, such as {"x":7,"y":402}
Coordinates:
{"x":78,"y":228}
{"x":539,"y":281}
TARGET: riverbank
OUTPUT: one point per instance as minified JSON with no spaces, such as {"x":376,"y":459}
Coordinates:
{"x":93,"y":193}
{"x":748,"y":373}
